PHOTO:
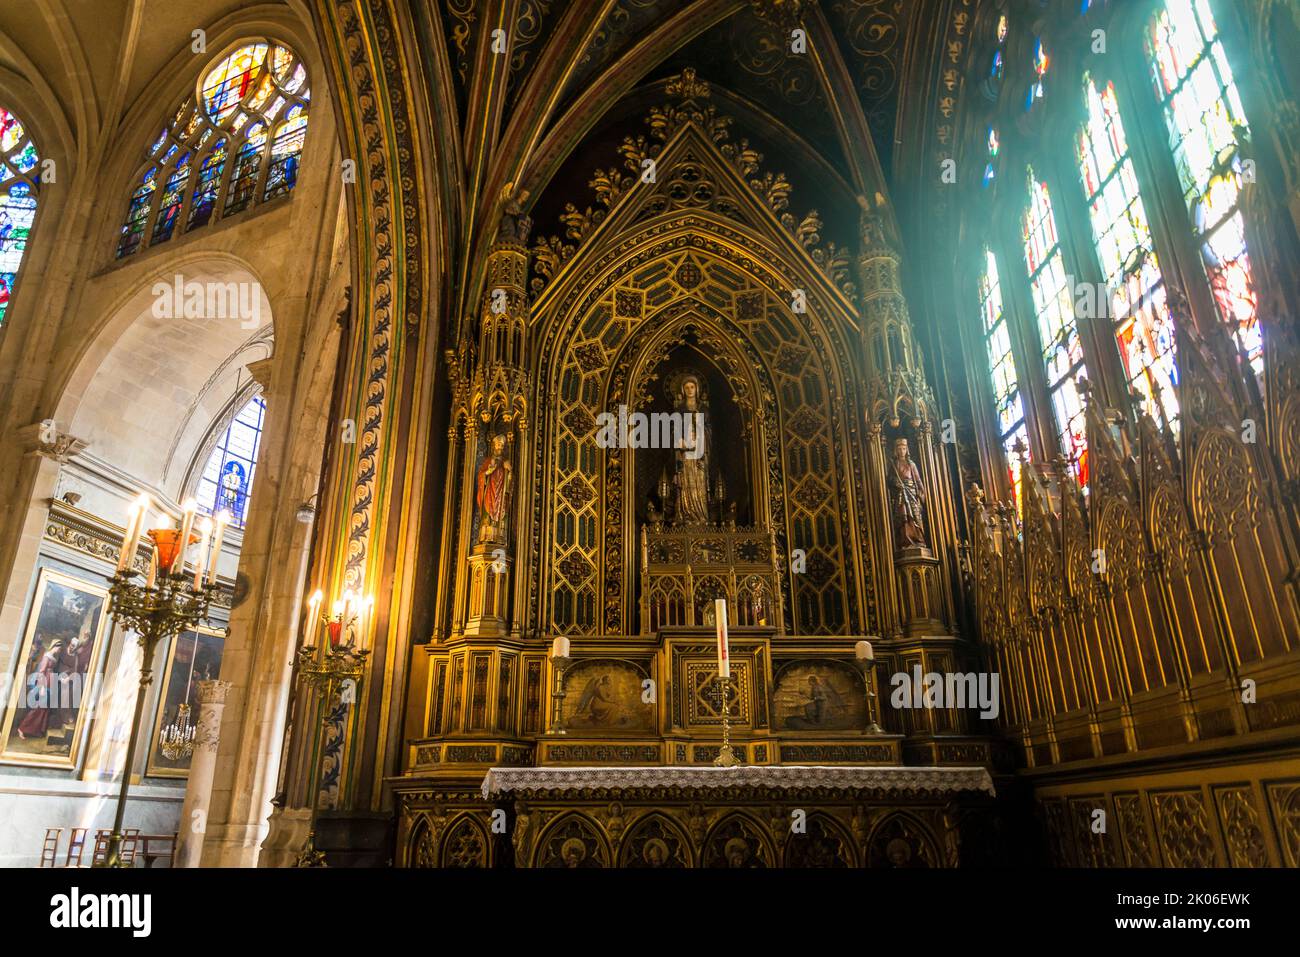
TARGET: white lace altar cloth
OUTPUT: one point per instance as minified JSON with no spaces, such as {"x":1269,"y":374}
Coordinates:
{"x":499,"y":781}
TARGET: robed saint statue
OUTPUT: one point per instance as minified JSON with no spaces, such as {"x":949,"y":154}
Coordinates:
{"x":906,"y":498}
{"x":492,"y":489}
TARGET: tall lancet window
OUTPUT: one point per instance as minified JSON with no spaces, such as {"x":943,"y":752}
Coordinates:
{"x":227,"y":479}
{"x":251,"y":104}
{"x":20,"y":181}
{"x":1006,"y":384}
{"x":1143,"y":328}
{"x":1058,"y":332}
{"x":1204,"y":115}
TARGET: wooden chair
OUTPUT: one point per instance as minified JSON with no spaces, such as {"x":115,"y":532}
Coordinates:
{"x":76,"y":846}
{"x":130,"y":841}
{"x":50,"y":849}
{"x":101,"y":846}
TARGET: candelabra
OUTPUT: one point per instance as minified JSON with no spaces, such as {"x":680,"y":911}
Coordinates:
{"x":177,"y":739}
{"x":164,"y":606}
{"x":332,"y":668}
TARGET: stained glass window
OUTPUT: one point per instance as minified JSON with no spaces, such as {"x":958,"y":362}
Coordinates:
{"x":19,"y":187}
{"x":1203,"y":113}
{"x":1041,"y":63}
{"x":1057,"y":330}
{"x":241,"y":98}
{"x":990,"y":168}
{"x":1006,"y":384}
{"x":1143,"y":328}
{"x":227,"y":480}
{"x":283,"y":174}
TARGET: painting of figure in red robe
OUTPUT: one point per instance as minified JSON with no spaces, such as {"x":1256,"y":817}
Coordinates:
{"x":50,"y":695}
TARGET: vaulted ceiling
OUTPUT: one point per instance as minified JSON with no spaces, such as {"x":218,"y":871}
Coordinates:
{"x":537,"y":95}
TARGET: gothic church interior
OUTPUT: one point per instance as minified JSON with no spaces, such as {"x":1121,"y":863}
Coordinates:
{"x":576,"y":433}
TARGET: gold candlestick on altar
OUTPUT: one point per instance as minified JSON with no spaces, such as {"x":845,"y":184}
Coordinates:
{"x":865,"y":656}
{"x":726,"y":757}
{"x":559,"y":661}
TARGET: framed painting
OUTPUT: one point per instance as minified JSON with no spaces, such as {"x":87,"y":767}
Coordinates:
{"x":49,"y":708}
{"x":194,"y":656}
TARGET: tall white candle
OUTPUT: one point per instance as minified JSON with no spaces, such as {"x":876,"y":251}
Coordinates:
{"x":223,"y":519}
{"x":189,"y":510}
{"x":724,"y":650}
{"x":153,"y":568}
{"x":133,"y":519}
{"x":201,"y":559}
{"x":139,"y":519}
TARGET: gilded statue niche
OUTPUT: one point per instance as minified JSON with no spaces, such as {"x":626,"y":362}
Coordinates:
{"x":688,"y":303}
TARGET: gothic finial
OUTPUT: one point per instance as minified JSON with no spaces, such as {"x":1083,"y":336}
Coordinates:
{"x":687,"y":86}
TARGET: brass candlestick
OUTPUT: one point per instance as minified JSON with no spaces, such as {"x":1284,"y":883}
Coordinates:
{"x":156,"y":610}
{"x":868,"y":668}
{"x":558,"y":664}
{"x":327,"y":669}
{"x":726,"y":757}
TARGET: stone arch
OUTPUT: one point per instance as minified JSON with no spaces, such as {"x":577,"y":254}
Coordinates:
{"x":574,"y":840}
{"x":655,"y":841}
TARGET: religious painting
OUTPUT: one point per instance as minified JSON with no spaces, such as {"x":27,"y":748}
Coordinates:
{"x":820,"y":844}
{"x":54,"y":681}
{"x":574,"y":844}
{"x":737,"y":843}
{"x":606,"y":695}
{"x":194,"y":656}
{"x":901,"y":842}
{"x":655,"y":843}
{"x":820,"y":696}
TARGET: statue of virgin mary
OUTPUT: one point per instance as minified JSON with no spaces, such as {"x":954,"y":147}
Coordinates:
{"x":692,"y":475}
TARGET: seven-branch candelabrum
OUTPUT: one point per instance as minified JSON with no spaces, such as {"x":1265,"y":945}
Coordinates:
{"x":168,"y":602}
{"x":331,"y":662}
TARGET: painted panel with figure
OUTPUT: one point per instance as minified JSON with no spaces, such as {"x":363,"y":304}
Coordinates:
{"x":195,"y":656}
{"x":819,"y":696}
{"x":55,"y":677}
{"x":607,"y":694}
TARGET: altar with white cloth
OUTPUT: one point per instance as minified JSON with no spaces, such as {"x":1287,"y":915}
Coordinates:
{"x":745,"y":817}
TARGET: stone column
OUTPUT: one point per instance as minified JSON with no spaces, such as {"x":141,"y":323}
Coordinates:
{"x":203,"y":766}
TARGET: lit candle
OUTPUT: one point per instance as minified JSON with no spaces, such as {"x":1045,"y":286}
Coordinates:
{"x":205,"y":534}
{"x":560,"y":647}
{"x":223,"y":519}
{"x":349,"y":599}
{"x":863,"y":651}
{"x":724,"y":659}
{"x":313,"y":615}
{"x":188,"y":512}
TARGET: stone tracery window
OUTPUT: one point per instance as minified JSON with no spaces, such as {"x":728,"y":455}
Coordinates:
{"x":1173,"y":78}
{"x":1204,"y":115}
{"x":226,"y":481}
{"x":20,"y":182}
{"x":1006,"y":382}
{"x":1144,"y":330}
{"x":252,"y":105}
{"x":1058,"y":330}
